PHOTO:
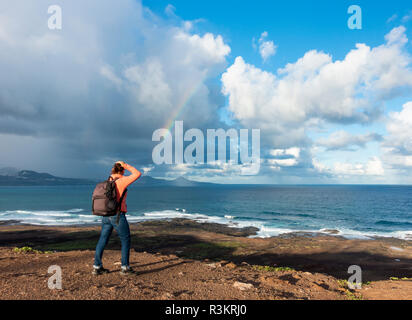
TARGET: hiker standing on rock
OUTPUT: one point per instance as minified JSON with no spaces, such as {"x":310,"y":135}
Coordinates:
{"x":109,"y":201}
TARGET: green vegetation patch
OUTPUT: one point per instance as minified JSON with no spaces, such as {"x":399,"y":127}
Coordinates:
{"x":352,"y":296}
{"x":272,"y":269}
{"x":30,"y":250}
{"x":344,"y":283}
{"x":400,"y":279}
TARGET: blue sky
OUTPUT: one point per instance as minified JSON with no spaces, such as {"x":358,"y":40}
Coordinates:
{"x":296,"y":26}
{"x":332,"y":103}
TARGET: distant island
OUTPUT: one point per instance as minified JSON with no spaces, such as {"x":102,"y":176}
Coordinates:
{"x":15,"y":177}
{"x":147,"y":181}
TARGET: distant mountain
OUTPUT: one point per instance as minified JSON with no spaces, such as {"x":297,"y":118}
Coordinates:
{"x":147,"y":181}
{"x":9,"y":171}
{"x":15,"y":177}
{"x":183,"y":182}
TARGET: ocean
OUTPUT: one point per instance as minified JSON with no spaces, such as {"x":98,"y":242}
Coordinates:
{"x":350,"y":211}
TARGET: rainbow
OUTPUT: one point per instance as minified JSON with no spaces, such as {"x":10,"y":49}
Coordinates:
{"x":184,"y":101}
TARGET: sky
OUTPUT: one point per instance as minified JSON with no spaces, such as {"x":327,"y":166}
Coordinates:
{"x":333,"y":104}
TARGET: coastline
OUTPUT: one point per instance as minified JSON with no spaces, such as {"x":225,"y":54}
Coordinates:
{"x":258,"y":230}
{"x":299,"y":255}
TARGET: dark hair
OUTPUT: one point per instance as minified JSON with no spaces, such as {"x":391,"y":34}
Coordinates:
{"x":117,"y":169}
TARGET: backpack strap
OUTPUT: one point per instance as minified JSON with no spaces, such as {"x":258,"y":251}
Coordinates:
{"x":121,"y":199}
{"x":119,"y":209}
{"x":111,"y":179}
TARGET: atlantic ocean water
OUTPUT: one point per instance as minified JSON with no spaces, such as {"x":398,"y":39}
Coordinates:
{"x":349,"y":211}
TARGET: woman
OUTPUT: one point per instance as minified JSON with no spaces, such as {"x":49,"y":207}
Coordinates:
{"x":119,"y":223}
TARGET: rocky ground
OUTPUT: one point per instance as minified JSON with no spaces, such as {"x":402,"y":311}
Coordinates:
{"x":181,"y":260}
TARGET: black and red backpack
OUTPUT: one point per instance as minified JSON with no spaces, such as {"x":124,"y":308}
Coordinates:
{"x":104,"y":199}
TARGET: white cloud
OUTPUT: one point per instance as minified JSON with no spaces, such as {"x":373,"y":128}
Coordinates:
{"x":373,"y":167}
{"x":212,"y":169}
{"x":267,"y":48}
{"x":283,"y":162}
{"x":319,"y":166}
{"x":397,"y":36}
{"x":283,"y":158}
{"x":316,"y":88}
{"x":170,"y":10}
{"x":407,"y":17}
{"x":344,"y":140}
{"x":147,"y":170}
{"x":209,"y":48}
{"x":397,"y":160}
{"x":397,"y":146}
{"x":107,"y":72}
{"x":149,"y":85}
{"x":392,"y":18}
{"x":295,"y":152}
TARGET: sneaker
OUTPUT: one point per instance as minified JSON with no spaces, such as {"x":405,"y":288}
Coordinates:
{"x":125,"y":271}
{"x":99,"y":271}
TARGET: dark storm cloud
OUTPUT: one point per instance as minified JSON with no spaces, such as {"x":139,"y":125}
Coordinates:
{"x":100,"y":86}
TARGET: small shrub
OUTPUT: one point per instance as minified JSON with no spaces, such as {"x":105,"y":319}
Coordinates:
{"x":400,"y":279}
{"x":344,"y":283}
{"x":30,"y":250}
{"x":271,"y":269}
{"x":352,"y":296}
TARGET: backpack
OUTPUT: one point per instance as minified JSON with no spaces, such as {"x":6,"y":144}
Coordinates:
{"x":104,"y":199}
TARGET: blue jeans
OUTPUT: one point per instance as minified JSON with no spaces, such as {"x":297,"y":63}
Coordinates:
{"x":122,"y":229}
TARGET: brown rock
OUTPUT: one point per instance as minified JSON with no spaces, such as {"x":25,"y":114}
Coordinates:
{"x":243,"y":286}
{"x":167,"y":296}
